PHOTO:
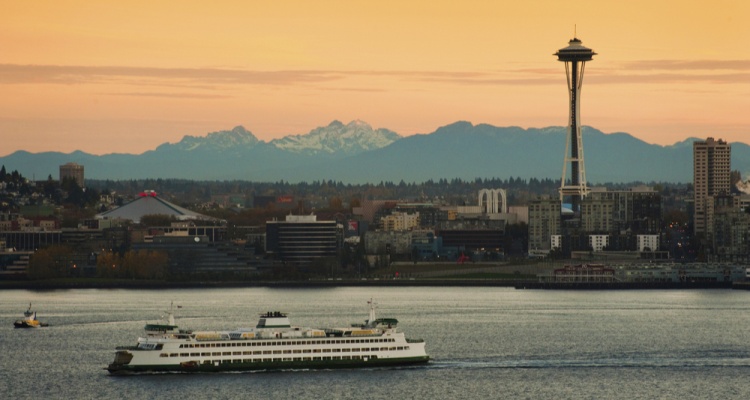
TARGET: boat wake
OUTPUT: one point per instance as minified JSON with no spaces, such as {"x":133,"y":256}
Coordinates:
{"x":657,"y":362}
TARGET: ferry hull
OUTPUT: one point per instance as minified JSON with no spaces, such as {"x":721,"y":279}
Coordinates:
{"x":128,"y":369}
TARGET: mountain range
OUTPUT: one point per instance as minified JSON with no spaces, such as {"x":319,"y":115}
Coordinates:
{"x":357,"y":153}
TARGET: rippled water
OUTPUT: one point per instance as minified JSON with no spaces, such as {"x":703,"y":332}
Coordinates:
{"x":485,"y":343}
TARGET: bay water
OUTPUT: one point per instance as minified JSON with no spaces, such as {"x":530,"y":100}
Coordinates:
{"x":485,"y":342}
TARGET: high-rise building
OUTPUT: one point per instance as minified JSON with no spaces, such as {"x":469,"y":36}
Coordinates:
{"x":711,"y":170}
{"x":300,"y":239}
{"x":574,"y":187}
{"x":544,"y":223}
{"x":73,"y":171}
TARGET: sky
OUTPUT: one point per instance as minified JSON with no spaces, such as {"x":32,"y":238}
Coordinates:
{"x":124,"y":77}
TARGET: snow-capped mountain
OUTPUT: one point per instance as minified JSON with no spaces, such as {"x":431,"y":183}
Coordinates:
{"x":220,"y":140}
{"x":350,"y":139}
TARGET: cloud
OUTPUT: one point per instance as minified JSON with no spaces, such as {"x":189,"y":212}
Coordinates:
{"x":633,"y":72}
{"x":55,"y":74}
{"x":169,"y":95}
{"x":684,"y":65}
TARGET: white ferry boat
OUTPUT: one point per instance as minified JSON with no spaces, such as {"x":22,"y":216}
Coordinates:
{"x":273,"y":344}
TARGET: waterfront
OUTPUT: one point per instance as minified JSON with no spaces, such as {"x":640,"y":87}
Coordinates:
{"x":485,"y":342}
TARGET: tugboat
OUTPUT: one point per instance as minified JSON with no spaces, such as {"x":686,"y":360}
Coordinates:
{"x":273,"y":344}
{"x":29,"y":320}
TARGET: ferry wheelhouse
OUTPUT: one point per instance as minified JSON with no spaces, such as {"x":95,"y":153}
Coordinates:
{"x":274,"y":344}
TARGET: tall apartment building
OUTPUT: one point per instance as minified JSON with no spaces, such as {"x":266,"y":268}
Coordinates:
{"x":73,"y":171}
{"x":544,"y":223}
{"x":637,"y":210}
{"x":711,"y":170}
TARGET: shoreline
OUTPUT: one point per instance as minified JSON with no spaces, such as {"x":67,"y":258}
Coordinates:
{"x":516,"y":284}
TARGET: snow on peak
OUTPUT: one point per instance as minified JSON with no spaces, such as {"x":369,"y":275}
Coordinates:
{"x":353,"y":138}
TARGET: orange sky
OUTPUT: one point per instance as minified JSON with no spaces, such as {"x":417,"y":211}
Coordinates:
{"x":124,"y":77}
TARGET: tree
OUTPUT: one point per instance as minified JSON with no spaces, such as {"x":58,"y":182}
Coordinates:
{"x":51,"y":262}
{"x":107,"y":264}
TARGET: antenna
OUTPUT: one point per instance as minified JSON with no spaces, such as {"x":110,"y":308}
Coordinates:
{"x":575,"y":33}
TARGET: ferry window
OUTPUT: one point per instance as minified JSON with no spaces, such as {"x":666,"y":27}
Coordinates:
{"x":257,"y":352}
{"x":236,"y":353}
{"x":184,"y":354}
{"x":266,"y":351}
{"x":277,"y":352}
{"x":337,"y":350}
{"x":205,"y":354}
{"x":406,"y":347}
{"x":326,"y":350}
{"x":355,"y":349}
{"x":316,"y":351}
{"x":195,"y":354}
{"x":247,"y":353}
{"x":216,"y":354}
{"x":287,"y":352}
{"x":297,"y":351}
{"x":336,"y":358}
{"x":226,"y":353}
{"x":297,"y":358}
{"x":399,"y":348}
{"x":316,"y":358}
{"x":306,"y":350}
{"x":163,"y":355}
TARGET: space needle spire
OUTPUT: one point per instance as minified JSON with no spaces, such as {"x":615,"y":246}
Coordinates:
{"x":574,"y":186}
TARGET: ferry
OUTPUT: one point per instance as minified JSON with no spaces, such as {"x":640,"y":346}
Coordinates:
{"x":29,"y":320}
{"x":273,"y":344}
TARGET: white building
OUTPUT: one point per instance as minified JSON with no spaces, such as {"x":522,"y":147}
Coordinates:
{"x":598,"y":242}
{"x":650,"y":242}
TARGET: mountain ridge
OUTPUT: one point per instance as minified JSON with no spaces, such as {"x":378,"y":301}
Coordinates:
{"x":357,"y":153}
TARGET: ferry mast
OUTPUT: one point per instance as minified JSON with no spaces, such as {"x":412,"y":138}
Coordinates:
{"x":574,"y":56}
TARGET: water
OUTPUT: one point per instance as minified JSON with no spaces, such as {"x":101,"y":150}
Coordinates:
{"x":485,"y":343}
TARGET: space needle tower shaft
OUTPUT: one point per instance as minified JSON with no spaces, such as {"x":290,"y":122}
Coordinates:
{"x":574,"y":187}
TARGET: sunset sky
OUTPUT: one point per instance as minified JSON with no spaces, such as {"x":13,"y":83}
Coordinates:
{"x":126,"y":76}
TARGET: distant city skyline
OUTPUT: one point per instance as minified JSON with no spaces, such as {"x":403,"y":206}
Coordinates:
{"x":125,"y":77}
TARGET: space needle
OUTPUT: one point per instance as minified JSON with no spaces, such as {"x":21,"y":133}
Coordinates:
{"x":574,"y":187}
